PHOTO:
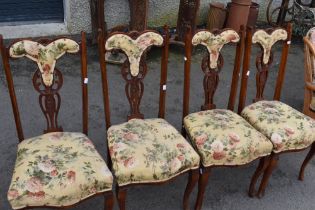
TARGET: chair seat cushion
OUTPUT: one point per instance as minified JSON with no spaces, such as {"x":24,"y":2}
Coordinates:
{"x":287,"y":128}
{"x":57,"y":169}
{"x":149,"y":151}
{"x":222,"y":137}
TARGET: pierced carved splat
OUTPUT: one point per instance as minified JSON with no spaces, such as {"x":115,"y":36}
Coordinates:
{"x":213,"y":62}
{"x":49,"y":99}
{"x":210,"y":81}
{"x":134,"y":70}
{"x":262,"y":75}
{"x":266,"y":40}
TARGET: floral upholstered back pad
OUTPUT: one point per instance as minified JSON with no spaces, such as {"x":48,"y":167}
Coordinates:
{"x":214,"y":43}
{"x":266,"y":40}
{"x":134,"y":48}
{"x":44,"y":56}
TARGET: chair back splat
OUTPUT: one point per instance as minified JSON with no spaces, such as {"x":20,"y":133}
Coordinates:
{"x":266,"y":40}
{"x":47,"y":80}
{"x":135,"y":46}
{"x":212,"y":64}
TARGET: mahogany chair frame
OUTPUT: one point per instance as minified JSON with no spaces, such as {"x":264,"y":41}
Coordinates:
{"x":50,"y":100}
{"x":267,"y":164}
{"x":309,"y":57}
{"x":210,"y":84}
{"x":134,"y":90}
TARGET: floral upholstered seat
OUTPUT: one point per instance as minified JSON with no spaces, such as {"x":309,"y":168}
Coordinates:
{"x":57,"y":169}
{"x":287,"y":128}
{"x":224,"y":138}
{"x":148,"y":151}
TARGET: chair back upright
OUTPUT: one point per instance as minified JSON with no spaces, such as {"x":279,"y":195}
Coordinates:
{"x":212,"y":63}
{"x":135,"y":46}
{"x":309,"y":74}
{"x":265,"y":39}
{"x":47,"y":79}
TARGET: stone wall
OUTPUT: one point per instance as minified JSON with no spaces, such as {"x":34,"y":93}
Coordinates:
{"x":117,"y":12}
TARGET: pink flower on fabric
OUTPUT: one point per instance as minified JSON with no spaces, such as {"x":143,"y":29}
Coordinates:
{"x":289,"y":131}
{"x":46,"y":166}
{"x":71,"y":175}
{"x":181,"y":157}
{"x":131,"y":136}
{"x":175,"y":165}
{"x":56,"y":136}
{"x":89,"y":143}
{"x":130,"y":162}
{"x":54,"y":173}
{"x":181,"y":146}
{"x":277,"y":140}
{"x":235,"y":138}
{"x":200,"y":140}
{"x":13,"y":194}
{"x":218,"y":150}
{"x":34,"y":185}
{"x":46,"y":68}
{"x":37,"y":196}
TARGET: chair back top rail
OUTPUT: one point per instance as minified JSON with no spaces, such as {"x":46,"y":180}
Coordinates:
{"x":135,"y":46}
{"x":47,"y":79}
{"x":266,"y":39}
{"x":212,"y":64}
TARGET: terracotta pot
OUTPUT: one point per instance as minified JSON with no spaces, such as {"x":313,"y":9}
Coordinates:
{"x":237,"y":15}
{"x":242,"y":2}
{"x":216,"y":15}
{"x":253,"y":14}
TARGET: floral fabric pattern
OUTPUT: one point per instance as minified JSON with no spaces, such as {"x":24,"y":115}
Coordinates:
{"x":268,"y":40}
{"x":44,"y":56}
{"x":214,"y":43}
{"x":149,"y":151}
{"x":57,"y":169}
{"x":134,"y":48}
{"x":222,"y":137}
{"x":287,"y":128}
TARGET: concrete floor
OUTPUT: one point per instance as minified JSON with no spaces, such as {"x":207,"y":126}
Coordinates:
{"x":227,"y":186}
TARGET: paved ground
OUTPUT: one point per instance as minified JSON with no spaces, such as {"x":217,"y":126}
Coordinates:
{"x":227,"y":187}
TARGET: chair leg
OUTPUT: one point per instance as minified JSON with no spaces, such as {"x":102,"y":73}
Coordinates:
{"x":309,"y":156}
{"x":192,"y":180}
{"x":263,"y":164}
{"x":121,"y":197}
{"x":202,"y":184}
{"x":109,"y":201}
{"x":271,"y":166}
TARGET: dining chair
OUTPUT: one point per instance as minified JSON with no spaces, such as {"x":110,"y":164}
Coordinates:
{"x":144,"y":151}
{"x":56,"y":169}
{"x":309,"y":98}
{"x":221,"y":137}
{"x":288,"y":129}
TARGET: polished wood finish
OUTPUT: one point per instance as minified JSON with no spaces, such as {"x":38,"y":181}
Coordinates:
{"x":50,"y":101}
{"x":202,"y":185}
{"x":308,"y":158}
{"x":309,"y":56}
{"x":8,"y":74}
{"x":134,"y":90}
